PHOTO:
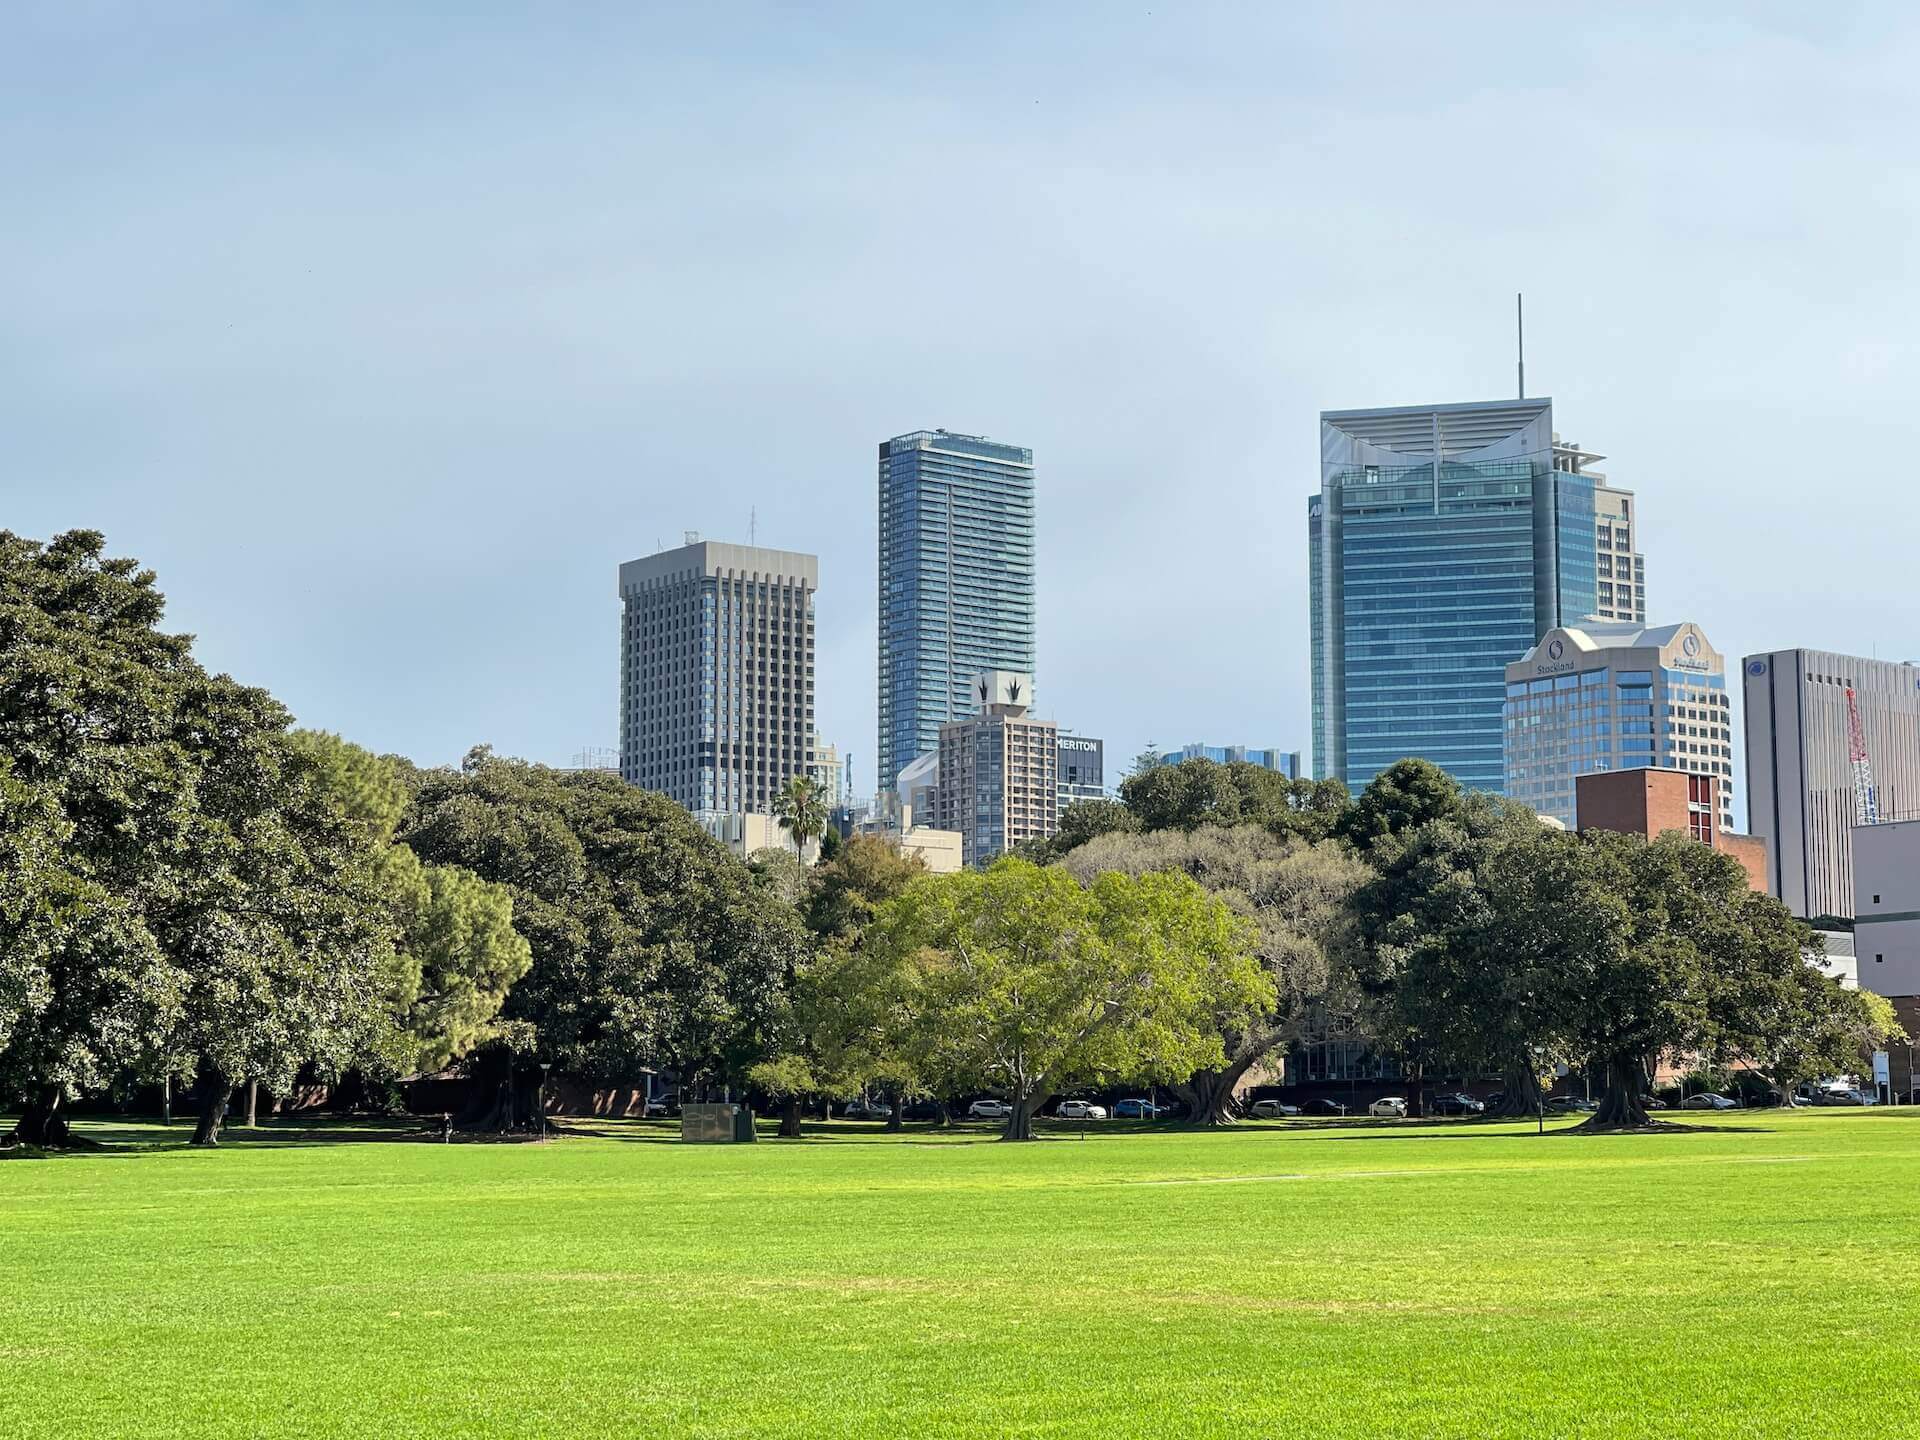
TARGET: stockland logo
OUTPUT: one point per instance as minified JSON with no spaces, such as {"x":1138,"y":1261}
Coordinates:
{"x":1691,"y":644}
{"x":1555,"y":649}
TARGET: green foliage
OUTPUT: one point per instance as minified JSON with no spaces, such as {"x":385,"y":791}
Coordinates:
{"x":1020,"y":979}
{"x":1200,"y":792}
{"x":801,"y":807}
{"x":1406,"y":795}
{"x":848,"y":890}
{"x":650,"y":943}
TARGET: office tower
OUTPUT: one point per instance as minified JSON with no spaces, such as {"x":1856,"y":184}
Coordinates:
{"x":830,"y":772}
{"x":1620,"y":571}
{"x":1284,"y":762}
{"x":1600,"y":696}
{"x":1442,"y":544}
{"x":999,"y":772}
{"x":1800,"y":785}
{"x":1649,"y":802}
{"x":1083,"y":769}
{"x":956,"y":582}
{"x":1886,"y":929}
{"x":716,"y":674}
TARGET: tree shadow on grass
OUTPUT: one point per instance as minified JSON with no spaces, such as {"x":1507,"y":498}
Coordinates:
{"x":120,"y":1141}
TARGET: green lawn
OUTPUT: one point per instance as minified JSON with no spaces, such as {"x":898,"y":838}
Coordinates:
{"x":1450,"y":1280}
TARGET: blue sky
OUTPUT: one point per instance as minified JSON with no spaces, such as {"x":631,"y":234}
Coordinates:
{"x":386,"y":333}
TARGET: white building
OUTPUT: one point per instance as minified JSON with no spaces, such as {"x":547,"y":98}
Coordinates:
{"x":1886,"y":928}
{"x":1800,"y":790}
{"x":1602,"y":696}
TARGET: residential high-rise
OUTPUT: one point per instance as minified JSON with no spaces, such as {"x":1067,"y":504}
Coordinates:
{"x":1285,"y":762}
{"x":956,"y":582}
{"x":1083,"y":769}
{"x":1800,"y":787}
{"x":999,"y":771}
{"x":1620,"y":571}
{"x":716,"y":674}
{"x":1443,"y":543}
{"x":830,"y":771}
{"x":1598,"y":696}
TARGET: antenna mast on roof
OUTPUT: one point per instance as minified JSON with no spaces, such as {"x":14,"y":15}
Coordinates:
{"x":1520,"y":339}
{"x":753,"y":526}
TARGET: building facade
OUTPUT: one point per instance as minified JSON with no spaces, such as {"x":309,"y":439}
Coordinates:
{"x":1886,"y":928}
{"x":1650,"y":802}
{"x":1444,"y":541}
{"x":1620,"y":571}
{"x":1615,"y":697}
{"x":1083,"y":769}
{"x":999,"y":771}
{"x":716,"y":674}
{"x":830,"y":773}
{"x":956,"y":582}
{"x":1284,"y":762}
{"x":1800,"y":790}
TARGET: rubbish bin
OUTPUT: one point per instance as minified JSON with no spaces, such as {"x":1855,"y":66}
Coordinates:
{"x":743,"y":1131}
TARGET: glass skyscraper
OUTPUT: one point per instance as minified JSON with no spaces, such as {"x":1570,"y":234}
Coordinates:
{"x":956,"y":582}
{"x":1443,"y":544}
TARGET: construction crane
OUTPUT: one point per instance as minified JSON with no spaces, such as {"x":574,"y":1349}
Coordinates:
{"x":1866,"y":807}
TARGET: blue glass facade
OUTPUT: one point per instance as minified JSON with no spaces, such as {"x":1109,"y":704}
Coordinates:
{"x":956,"y":582}
{"x":1286,"y":762}
{"x":1442,"y":544}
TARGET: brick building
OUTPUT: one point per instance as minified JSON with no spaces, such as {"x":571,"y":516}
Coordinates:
{"x":1650,"y":801}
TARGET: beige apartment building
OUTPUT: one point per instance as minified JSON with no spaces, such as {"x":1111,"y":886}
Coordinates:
{"x":998,"y":770}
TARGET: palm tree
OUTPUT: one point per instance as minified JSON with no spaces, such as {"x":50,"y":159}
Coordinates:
{"x":801,"y":808}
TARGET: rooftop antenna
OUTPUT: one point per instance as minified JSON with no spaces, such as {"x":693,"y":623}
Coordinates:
{"x":753,"y":526}
{"x":1520,"y":339}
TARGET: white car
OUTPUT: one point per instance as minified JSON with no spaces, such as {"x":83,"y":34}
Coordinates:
{"x":1389,"y":1107}
{"x":1080,"y":1110}
{"x":1272,"y":1110}
{"x":989,"y":1110}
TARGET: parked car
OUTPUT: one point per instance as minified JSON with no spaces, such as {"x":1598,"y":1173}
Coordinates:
{"x":1080,"y":1110}
{"x":1456,"y":1103}
{"x":1272,"y":1110}
{"x":1842,"y":1095}
{"x":920,"y":1110}
{"x":1652,"y":1102}
{"x":1139,"y":1110}
{"x":1323,"y":1107}
{"x":866,"y":1110}
{"x":1569,"y":1104}
{"x":1708,"y":1100}
{"x":1389,"y":1107}
{"x":989,"y":1109}
{"x":664,"y":1109}
{"x":1496,"y":1099}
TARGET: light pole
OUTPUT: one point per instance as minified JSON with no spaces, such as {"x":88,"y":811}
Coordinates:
{"x":1539,"y":1090}
{"x":541,"y":1099}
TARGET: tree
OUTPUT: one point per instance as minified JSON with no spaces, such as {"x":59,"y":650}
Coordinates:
{"x":209,"y":913}
{"x":1403,"y":797}
{"x":1080,"y":822}
{"x":801,"y":807}
{"x":1421,"y":932}
{"x":1289,"y":890}
{"x":1027,"y":982}
{"x":651,"y":946}
{"x":457,"y":954}
{"x":1145,"y":761}
{"x":1198,"y":792}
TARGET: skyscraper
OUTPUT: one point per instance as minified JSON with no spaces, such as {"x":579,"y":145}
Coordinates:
{"x":1800,"y":786}
{"x":956,"y":582}
{"x":1443,"y":543}
{"x":1603,"y":695}
{"x":716,"y":674}
{"x":1620,"y":571}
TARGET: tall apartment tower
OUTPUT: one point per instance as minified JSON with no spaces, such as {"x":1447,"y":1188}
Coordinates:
{"x":956,"y":582}
{"x":1603,"y":696}
{"x":1443,"y":543}
{"x":999,"y":775}
{"x":1800,"y":790}
{"x":1620,"y":571}
{"x":716,"y":674}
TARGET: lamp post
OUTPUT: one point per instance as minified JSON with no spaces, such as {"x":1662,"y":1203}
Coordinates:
{"x":1539,"y":1090}
{"x":541,"y":1099}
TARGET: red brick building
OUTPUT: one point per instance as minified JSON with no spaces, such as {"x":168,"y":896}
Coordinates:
{"x":1650,"y":802}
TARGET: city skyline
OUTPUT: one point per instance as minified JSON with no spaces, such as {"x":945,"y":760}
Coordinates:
{"x":383,"y":402}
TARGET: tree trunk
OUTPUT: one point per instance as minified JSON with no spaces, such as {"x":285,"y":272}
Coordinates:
{"x":1209,"y":1093}
{"x":1020,"y":1123}
{"x":42,"y":1122}
{"x":1523,"y":1094}
{"x":942,"y":1116}
{"x":166,"y":1098}
{"x":1621,"y":1107}
{"x":896,"y":1104}
{"x":790,"y":1118}
{"x":216,"y":1089}
{"x":1417,"y":1093}
{"x":253,"y":1103}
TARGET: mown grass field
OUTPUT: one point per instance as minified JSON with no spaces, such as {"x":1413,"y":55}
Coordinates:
{"x":1450,"y":1280}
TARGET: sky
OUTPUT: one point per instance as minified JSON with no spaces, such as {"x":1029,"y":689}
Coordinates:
{"x":385,"y":333}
